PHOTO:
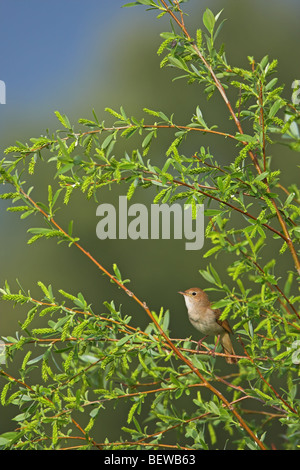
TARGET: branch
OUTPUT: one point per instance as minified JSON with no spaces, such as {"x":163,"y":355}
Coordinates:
{"x":142,"y":304}
{"x":23,"y":384}
{"x":211,"y":196}
{"x":237,"y":122}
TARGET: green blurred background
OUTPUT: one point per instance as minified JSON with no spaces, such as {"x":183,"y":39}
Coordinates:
{"x":74,"y":56}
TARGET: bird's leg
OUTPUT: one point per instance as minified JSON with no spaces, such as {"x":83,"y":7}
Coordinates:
{"x":214,"y":348}
{"x":199,"y":344}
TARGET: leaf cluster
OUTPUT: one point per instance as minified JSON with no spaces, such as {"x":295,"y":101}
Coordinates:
{"x":90,"y":359}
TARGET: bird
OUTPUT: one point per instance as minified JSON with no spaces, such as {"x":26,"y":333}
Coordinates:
{"x":207,"y":320}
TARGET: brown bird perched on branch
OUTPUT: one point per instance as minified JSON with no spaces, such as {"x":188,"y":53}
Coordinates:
{"x":207,"y":320}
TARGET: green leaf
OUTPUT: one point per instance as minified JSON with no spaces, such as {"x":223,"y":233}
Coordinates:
{"x":212,"y":212}
{"x":65,"y":168}
{"x":117,"y":272}
{"x":123,"y":340}
{"x":264,"y":62}
{"x":107,"y":141}
{"x":288,"y":284}
{"x":215,"y":275}
{"x":207,"y":276}
{"x":219,"y":29}
{"x":163,"y":116}
{"x":43,"y":231}
{"x":63,"y":148}
{"x":8,"y":437}
{"x":166,"y":320}
{"x":212,"y":434}
{"x":131,"y":4}
{"x":222,"y":303}
{"x":212,"y":251}
{"x":271,"y":83}
{"x":275,"y":107}
{"x":262,"y":176}
{"x":35,"y":359}
{"x":209,"y":20}
{"x":245,"y":137}
{"x":179,"y":63}
{"x":140,"y":2}
{"x":147,"y":140}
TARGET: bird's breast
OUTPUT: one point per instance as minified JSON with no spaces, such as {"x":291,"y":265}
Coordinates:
{"x":205,"y":321}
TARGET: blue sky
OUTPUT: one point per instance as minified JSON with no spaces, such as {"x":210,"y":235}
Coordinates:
{"x":46,"y":45}
{"x":44,"y":42}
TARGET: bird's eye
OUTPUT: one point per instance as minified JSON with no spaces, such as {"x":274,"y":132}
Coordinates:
{"x":194,"y":293}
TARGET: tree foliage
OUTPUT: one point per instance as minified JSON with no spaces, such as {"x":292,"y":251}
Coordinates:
{"x":88,"y":359}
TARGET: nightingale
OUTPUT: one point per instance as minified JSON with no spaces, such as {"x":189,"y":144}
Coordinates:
{"x":207,"y":320}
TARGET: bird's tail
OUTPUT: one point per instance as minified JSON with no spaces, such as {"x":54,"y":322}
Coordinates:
{"x":228,"y":348}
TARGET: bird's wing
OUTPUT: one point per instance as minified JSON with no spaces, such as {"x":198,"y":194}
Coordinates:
{"x":223,"y":323}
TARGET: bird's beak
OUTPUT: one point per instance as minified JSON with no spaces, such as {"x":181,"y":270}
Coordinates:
{"x":179,"y":292}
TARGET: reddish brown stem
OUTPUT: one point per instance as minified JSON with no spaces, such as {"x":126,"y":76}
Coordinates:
{"x":238,"y":125}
